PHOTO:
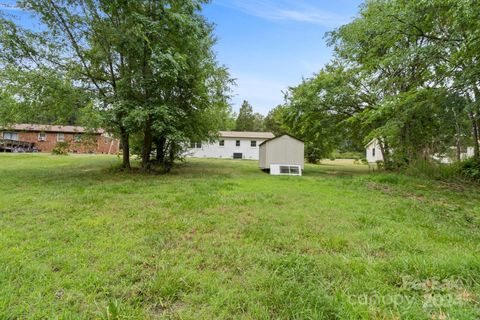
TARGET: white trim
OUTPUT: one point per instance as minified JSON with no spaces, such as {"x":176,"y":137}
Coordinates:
{"x":44,"y":136}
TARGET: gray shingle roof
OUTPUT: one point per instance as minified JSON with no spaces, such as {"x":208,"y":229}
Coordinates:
{"x":49,"y":128}
{"x":246,"y":134}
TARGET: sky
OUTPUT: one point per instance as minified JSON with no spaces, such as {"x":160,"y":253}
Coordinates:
{"x":267,"y":45}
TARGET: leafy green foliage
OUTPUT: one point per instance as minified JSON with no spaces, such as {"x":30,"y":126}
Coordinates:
{"x":399,"y":75}
{"x":470,"y":169}
{"x":246,"y":119}
{"x":147,"y":68}
{"x":274,"y":121}
{"x":61,"y":148}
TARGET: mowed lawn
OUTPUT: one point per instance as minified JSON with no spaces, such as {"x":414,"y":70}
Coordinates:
{"x":220,"y":239}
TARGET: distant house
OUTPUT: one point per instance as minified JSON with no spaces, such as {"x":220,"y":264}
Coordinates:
{"x":44,"y":138}
{"x":230,"y":145}
{"x":282,"y":150}
{"x":374,"y":151}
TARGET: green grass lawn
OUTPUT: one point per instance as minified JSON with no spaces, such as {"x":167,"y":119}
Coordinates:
{"x":221,"y":239}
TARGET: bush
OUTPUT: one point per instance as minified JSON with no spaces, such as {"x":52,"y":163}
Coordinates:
{"x":470,"y":169}
{"x":348,"y":155}
{"x":380,"y":165}
{"x":61,"y":148}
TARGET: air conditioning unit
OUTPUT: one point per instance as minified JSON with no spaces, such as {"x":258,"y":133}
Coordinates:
{"x":285,"y":170}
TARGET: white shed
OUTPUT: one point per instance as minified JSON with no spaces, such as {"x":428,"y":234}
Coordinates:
{"x":374,"y":151}
{"x":283,"y":149}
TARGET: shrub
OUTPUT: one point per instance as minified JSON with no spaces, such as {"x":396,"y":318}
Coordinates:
{"x":348,"y":155}
{"x":470,"y":169}
{"x":380,"y":165}
{"x":61,"y":148}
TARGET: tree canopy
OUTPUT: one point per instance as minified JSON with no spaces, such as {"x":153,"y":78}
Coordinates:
{"x":147,"y":67}
{"x":404,"y":72}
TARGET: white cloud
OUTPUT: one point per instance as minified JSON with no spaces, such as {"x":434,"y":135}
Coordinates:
{"x":286,"y":10}
{"x":9,"y":7}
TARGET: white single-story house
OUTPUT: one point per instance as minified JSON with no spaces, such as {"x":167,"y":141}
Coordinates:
{"x":282,"y":150}
{"x":230,"y":145}
{"x":374,"y":151}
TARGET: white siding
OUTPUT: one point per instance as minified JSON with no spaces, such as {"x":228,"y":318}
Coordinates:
{"x":214,"y":150}
{"x":374,"y":152}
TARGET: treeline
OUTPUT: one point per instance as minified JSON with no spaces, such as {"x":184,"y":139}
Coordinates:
{"x":144,"y":70}
{"x":404,"y":72}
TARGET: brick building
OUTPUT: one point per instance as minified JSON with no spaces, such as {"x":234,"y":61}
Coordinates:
{"x":45,"y":137}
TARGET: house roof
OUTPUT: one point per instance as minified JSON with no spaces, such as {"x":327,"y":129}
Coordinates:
{"x":374,"y":140}
{"x":246,"y":134}
{"x":283,"y":135}
{"x":49,"y":128}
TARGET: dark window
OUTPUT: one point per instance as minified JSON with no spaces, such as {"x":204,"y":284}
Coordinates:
{"x":284,"y":170}
{"x":253,"y":143}
{"x":294,"y":170}
{"x":237,"y":143}
{"x":195,"y":145}
{"x":222,"y":143}
{"x":238,"y":156}
{"x":373,"y":152}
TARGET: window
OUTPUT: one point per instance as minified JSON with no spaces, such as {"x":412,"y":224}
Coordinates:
{"x":237,"y":143}
{"x":60,"y":137}
{"x":78,"y":138}
{"x":222,"y":143}
{"x":373,"y":152}
{"x":42,"y":136}
{"x":284,"y":169}
{"x":195,"y":145}
{"x":238,"y":156}
{"x":295,"y":170}
{"x":253,"y":143}
{"x":10,"y":136}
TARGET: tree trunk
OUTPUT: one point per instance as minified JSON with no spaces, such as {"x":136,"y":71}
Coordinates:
{"x":124,"y":140}
{"x":459,"y":150}
{"x":473,"y":117}
{"x":476,"y":147}
{"x":160,"y":143}
{"x":147,"y":144}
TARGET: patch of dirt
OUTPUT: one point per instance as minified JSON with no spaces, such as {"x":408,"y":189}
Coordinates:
{"x":380,"y":187}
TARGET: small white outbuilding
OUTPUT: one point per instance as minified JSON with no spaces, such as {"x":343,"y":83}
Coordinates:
{"x":374,"y":151}
{"x":282,"y":150}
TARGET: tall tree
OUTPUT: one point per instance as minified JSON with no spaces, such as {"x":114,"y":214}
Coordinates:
{"x":274,"y":120}
{"x":246,"y":118}
{"x":148,"y":65}
{"x":404,"y":72}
